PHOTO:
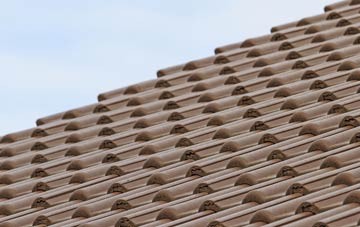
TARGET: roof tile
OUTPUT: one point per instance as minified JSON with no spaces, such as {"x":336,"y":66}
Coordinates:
{"x":263,"y":133}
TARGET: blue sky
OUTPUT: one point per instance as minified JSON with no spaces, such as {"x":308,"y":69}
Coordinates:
{"x":58,"y":55}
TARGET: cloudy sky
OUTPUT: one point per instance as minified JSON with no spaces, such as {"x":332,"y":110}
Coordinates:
{"x":58,"y":55}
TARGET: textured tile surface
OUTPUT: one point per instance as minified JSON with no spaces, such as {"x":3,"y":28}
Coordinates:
{"x":264,"y":133}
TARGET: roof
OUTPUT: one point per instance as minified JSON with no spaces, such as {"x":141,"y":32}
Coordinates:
{"x":263,"y":133}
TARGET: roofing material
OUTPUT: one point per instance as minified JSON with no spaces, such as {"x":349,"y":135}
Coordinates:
{"x":263,"y":133}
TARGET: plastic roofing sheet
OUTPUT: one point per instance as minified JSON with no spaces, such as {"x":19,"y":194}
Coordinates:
{"x":263,"y":133}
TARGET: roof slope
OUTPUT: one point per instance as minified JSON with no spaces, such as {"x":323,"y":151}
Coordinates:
{"x":263,"y":133}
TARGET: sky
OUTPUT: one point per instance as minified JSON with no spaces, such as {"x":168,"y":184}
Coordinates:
{"x":59,"y":55}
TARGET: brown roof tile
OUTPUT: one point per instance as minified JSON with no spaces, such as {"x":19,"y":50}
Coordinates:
{"x":263,"y":133}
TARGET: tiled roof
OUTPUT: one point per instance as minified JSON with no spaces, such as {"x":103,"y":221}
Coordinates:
{"x":263,"y":133}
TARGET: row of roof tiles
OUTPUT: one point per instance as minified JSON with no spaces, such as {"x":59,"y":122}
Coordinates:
{"x":264,"y":133}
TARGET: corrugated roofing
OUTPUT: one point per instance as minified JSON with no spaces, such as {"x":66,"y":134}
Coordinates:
{"x":263,"y":133}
